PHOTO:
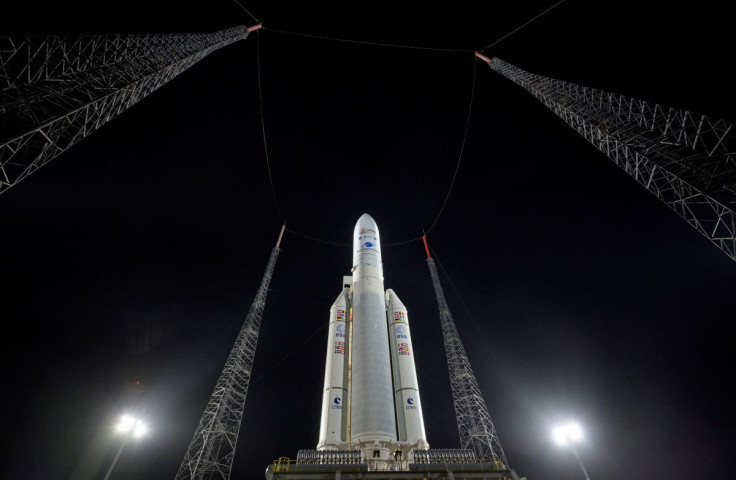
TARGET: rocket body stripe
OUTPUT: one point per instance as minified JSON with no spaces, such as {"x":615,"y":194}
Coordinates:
{"x":333,"y":427}
{"x":372,"y":404}
{"x":406,"y":388}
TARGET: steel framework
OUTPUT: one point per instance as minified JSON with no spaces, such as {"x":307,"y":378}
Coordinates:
{"x":55,"y":91}
{"x":211,"y":451}
{"x":474,"y":424}
{"x":685,"y":159}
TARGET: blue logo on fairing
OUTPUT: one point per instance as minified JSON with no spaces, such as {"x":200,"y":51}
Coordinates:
{"x":337,"y":401}
{"x":368,"y":244}
{"x":410,"y":404}
{"x":410,"y":401}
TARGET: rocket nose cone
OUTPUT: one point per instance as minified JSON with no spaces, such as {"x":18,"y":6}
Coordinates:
{"x":365,"y":222}
{"x":366,"y":219}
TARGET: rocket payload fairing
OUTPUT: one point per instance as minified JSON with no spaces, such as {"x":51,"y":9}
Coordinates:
{"x":371,"y":397}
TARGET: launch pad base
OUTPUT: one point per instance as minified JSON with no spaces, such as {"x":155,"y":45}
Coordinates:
{"x":284,"y":470}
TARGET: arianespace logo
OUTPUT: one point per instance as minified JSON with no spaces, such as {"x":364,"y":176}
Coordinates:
{"x":410,"y":404}
{"x":337,"y":403}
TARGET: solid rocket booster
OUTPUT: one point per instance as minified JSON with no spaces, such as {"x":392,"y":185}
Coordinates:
{"x":372,"y":403}
{"x":334,"y":398}
{"x":406,"y":389}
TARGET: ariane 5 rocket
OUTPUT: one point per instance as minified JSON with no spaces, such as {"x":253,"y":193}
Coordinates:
{"x":371,"y":397}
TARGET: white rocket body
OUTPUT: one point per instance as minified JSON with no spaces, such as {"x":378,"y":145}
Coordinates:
{"x":332,"y":431}
{"x":370,"y":380}
{"x":372,"y":404}
{"x":406,"y":389}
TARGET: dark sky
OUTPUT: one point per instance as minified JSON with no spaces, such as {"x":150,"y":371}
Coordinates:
{"x":135,"y":255}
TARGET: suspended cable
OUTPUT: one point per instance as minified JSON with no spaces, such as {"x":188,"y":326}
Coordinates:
{"x":274,"y":365}
{"x":318,"y":239}
{"x":263,"y":125}
{"x":363,"y":42}
{"x":418,"y":239}
{"x":314,"y":239}
{"x":462,"y":148}
{"x":439,"y":390}
{"x":522,"y":26}
{"x":467,"y":310}
{"x":246,"y":11}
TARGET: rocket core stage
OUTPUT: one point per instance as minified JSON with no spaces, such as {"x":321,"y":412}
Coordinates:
{"x":370,"y":376}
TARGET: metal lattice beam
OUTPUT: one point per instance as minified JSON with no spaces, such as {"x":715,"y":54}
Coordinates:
{"x":474,"y":424}
{"x":685,"y":159}
{"x":211,"y":451}
{"x":58,"y":90}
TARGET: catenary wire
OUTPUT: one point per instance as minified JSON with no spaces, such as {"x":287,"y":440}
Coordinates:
{"x":263,"y":126}
{"x":467,"y":124}
{"x":315,"y":239}
{"x":274,"y":365}
{"x":462,"y":148}
{"x":462,"y":302}
{"x":429,"y":378}
{"x":522,"y":26}
{"x":246,"y":11}
{"x":364,"y":42}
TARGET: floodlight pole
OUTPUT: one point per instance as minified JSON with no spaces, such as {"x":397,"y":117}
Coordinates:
{"x":120,"y":450}
{"x":575,"y":451}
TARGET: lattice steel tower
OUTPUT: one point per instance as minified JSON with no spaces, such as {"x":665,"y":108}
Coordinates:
{"x":57,"y":90}
{"x":686,"y":159}
{"x":474,"y":424}
{"x":211,"y":451}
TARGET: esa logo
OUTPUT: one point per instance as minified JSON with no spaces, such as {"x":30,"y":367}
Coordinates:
{"x":337,"y":403}
{"x":401,"y":332}
{"x":410,"y":404}
{"x":340,"y":331}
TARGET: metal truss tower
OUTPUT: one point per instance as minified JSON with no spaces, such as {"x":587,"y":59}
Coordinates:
{"x":685,"y":159}
{"x":211,"y":451}
{"x":474,"y":424}
{"x":55,"y":91}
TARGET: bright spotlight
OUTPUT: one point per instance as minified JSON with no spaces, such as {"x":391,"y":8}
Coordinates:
{"x":567,"y":433}
{"x":139,"y":430}
{"x":126,"y":424}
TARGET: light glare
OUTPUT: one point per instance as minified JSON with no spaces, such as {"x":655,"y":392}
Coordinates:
{"x":568,"y":433}
{"x":131,"y":426}
{"x":139,"y":430}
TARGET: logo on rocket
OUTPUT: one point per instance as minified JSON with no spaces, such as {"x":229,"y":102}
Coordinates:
{"x":337,"y":400}
{"x":409,"y":400}
{"x":369,"y":244}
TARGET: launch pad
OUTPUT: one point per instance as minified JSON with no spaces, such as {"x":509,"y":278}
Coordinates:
{"x":429,"y":464}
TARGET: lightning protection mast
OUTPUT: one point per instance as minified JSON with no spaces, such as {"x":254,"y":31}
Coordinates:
{"x":685,"y":159}
{"x":55,"y":91}
{"x":474,"y":424}
{"x":211,"y":451}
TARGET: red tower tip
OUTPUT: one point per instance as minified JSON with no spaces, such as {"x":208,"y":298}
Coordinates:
{"x":483,"y":57}
{"x":255,"y":27}
{"x":426,"y":246}
{"x":281,"y":234}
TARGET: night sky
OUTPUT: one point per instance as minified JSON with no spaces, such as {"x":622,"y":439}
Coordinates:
{"x":135,"y":256}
